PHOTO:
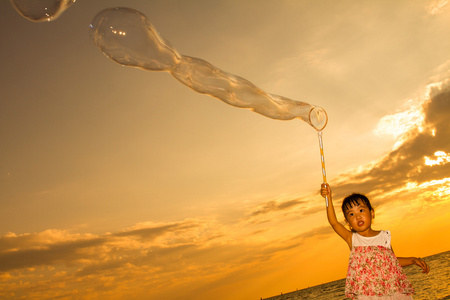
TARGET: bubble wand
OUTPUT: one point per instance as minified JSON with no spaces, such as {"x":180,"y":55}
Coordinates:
{"x":322,"y":158}
{"x":319,"y":121}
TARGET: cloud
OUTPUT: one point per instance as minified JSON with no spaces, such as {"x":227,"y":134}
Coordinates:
{"x":53,"y":247}
{"x":274,"y":212}
{"x":155,"y":257}
{"x":151,"y":233}
{"x":273,"y":206}
{"x":64,"y":252}
{"x":406,"y":165}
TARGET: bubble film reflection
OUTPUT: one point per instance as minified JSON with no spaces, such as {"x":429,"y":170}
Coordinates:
{"x":128,"y":38}
{"x":41,"y":10}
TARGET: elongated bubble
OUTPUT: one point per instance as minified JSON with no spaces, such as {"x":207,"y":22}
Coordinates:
{"x":41,"y":10}
{"x":127,"y":37}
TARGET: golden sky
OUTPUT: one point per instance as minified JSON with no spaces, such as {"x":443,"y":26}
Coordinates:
{"x":120,"y":183}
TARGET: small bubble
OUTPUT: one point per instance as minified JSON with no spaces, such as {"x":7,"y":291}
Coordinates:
{"x":41,"y":10}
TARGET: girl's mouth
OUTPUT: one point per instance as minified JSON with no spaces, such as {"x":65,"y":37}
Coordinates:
{"x":360,"y":223}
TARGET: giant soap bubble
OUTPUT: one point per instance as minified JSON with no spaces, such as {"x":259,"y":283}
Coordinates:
{"x":41,"y":10}
{"x":127,"y":37}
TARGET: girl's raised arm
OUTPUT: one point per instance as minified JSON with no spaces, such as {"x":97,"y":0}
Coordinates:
{"x":343,"y":232}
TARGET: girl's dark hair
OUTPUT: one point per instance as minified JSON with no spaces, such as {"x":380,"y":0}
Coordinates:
{"x":355,"y":199}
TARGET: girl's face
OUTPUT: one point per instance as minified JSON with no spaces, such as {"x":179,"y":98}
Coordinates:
{"x":359,"y":217}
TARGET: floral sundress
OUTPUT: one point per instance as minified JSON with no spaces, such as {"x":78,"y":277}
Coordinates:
{"x":374,"y":271}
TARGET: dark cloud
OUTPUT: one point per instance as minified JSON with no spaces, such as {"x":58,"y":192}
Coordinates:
{"x":126,"y":256}
{"x":161,"y":259}
{"x":64,"y":252}
{"x":150,"y":233}
{"x":272,"y":206}
{"x":406,"y":164}
{"x":52,"y":247}
{"x":316,"y":232}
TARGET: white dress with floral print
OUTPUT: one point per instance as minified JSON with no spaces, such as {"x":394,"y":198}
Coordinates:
{"x":374,"y":271}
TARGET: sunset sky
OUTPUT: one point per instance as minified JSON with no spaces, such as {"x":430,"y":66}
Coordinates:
{"x":121,"y":183}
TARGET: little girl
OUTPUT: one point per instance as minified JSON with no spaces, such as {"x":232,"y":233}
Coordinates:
{"x":374,"y":272}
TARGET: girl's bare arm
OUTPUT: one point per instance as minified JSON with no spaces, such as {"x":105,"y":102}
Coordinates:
{"x":343,"y":232}
{"x":407,"y":261}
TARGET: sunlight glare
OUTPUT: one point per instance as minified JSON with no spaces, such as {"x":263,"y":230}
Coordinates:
{"x":434,"y":188}
{"x":398,"y":124}
{"x":442,"y":159}
{"x":436,"y":7}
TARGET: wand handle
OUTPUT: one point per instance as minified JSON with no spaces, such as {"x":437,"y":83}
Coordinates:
{"x":322,"y":158}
